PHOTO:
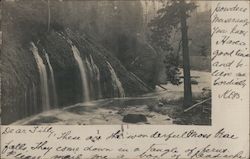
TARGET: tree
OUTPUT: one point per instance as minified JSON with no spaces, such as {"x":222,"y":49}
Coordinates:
{"x":171,"y":17}
{"x":185,"y":52}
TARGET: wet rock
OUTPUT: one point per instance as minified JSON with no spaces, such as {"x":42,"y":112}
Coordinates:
{"x":150,"y":116}
{"x":164,"y":112}
{"x":160,"y":104}
{"x":150,"y":107}
{"x":121,"y":111}
{"x":194,"y":82}
{"x":154,"y":108}
{"x":134,"y":118}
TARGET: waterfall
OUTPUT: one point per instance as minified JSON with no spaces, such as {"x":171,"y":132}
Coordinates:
{"x":85,"y":86}
{"x":91,"y":78}
{"x":52,"y":80}
{"x":43,"y":77}
{"x":97,"y":75}
{"x":89,"y":68}
{"x":115,"y":81}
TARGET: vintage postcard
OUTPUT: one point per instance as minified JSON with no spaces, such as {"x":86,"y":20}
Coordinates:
{"x":134,"y":79}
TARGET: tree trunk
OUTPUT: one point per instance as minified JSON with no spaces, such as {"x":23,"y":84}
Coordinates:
{"x":186,"y":64}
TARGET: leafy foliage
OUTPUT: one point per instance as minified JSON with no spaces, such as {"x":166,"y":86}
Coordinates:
{"x":166,"y":21}
{"x":162,"y":27}
{"x":172,"y":68}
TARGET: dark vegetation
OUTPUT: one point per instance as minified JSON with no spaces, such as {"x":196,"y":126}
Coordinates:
{"x":106,"y":30}
{"x":174,"y":16}
{"x":200,"y":115}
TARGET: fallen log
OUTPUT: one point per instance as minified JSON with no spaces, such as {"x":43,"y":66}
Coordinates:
{"x":162,"y":87}
{"x":195,"y":105}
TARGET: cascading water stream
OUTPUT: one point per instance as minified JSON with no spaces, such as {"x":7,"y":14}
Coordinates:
{"x":90,"y":69}
{"x":43,"y":78}
{"x":52,"y":79}
{"x":116,"y":82}
{"x":97,"y":75}
{"x":85,"y":86}
{"x":91,"y":78}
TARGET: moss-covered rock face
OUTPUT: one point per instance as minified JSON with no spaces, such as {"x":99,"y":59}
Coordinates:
{"x":108,"y":46}
{"x":67,"y":72}
{"x":96,"y":60}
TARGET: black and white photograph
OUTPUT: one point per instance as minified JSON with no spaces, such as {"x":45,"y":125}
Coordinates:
{"x":106,"y":62}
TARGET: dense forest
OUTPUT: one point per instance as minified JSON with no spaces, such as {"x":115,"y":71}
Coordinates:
{"x":112,"y":39}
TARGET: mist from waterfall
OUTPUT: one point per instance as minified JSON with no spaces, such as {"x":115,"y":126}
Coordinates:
{"x":85,"y":86}
{"x":55,"y":102}
{"x":115,"y":81}
{"x":43,"y":78}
